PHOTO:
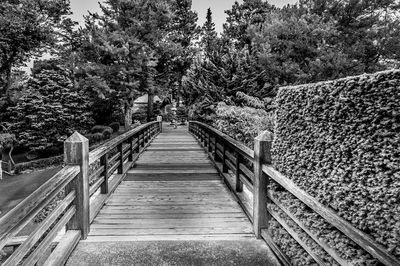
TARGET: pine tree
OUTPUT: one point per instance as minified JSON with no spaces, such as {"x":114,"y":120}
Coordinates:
{"x":184,"y":31}
{"x":50,"y":110}
{"x":209,"y":35}
{"x":122,"y":47}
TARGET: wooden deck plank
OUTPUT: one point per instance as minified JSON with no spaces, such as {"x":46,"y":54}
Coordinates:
{"x":173,"y":192}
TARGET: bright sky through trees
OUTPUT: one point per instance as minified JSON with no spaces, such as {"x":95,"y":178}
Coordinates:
{"x":218,"y":7}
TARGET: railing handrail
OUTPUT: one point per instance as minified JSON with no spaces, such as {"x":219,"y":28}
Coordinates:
{"x":267,"y":171}
{"x":19,"y":212}
{"x":239,"y":146}
{"x":76,"y":209}
{"x":109,"y":145}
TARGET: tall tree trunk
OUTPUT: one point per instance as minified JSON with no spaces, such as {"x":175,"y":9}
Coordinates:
{"x":127,"y":116}
{"x":150,"y":105}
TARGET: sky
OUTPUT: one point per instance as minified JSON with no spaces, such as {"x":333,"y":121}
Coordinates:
{"x":80,"y":8}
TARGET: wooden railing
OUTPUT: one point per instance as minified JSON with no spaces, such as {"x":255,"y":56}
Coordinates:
{"x":240,"y":166}
{"x":81,"y":188}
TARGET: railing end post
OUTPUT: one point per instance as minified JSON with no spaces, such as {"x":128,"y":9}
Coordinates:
{"x":76,"y":152}
{"x":262,"y":155}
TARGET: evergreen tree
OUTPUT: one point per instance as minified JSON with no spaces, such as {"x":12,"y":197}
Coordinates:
{"x":183,"y":32}
{"x":26,"y":28}
{"x":209,"y":35}
{"x":50,"y":110}
{"x":241,"y":17}
{"x":121,"y":48}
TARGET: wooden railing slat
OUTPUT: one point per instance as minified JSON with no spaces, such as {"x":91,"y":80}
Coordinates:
{"x":113,"y":158}
{"x":96,"y":185}
{"x":61,"y":253}
{"x":106,"y":147}
{"x":74,"y":179}
{"x":237,"y":145}
{"x":216,"y":137}
{"x":247,"y":172}
{"x":231,"y":166}
{"x":39,"y":231}
{"x":279,"y":253}
{"x":296,"y":237}
{"x":35,"y":255}
{"x":244,"y":180}
{"x":113,"y":168}
{"x":322,"y":244}
{"x":10,"y":223}
{"x":362,"y":239}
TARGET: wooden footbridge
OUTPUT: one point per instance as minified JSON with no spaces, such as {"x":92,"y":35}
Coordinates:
{"x":155,"y":191}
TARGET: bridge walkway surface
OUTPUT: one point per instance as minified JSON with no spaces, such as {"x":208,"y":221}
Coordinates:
{"x":172,"y":208}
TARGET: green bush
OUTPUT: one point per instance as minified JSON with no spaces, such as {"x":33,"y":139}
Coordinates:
{"x":339,"y":141}
{"x":99,"y":129}
{"x":115,"y":126}
{"x":95,"y":137}
{"x":39,"y":164}
{"x":242,"y":123}
{"x":107,"y":133}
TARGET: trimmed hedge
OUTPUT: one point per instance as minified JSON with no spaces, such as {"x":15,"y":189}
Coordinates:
{"x":340,"y":142}
{"x":39,"y":164}
{"x":115,"y":126}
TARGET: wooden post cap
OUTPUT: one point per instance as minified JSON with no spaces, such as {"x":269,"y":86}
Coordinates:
{"x":265,"y":136}
{"x":73,"y":147}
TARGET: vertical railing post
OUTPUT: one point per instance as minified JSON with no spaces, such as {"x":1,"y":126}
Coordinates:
{"x":121,"y":159}
{"x":76,"y":152}
{"x":131,"y":151}
{"x":160,"y":126}
{"x":262,"y":155}
{"x":209,"y":142}
{"x":104,"y":162}
{"x":137,"y":150}
{"x":142,"y":144}
{"x":224,"y":165}
{"x":239,"y":184}
{"x":215,"y":148}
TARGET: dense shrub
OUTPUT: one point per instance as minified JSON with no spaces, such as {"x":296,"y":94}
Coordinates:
{"x":242,"y":123}
{"x":140,"y":114}
{"x":104,"y":130}
{"x":343,"y":246}
{"x":99,"y":129}
{"x":339,"y":141}
{"x":107,"y":133}
{"x":249,"y":101}
{"x":297,"y":255}
{"x":94,"y":137}
{"x":39,"y":164}
{"x":115,"y":126}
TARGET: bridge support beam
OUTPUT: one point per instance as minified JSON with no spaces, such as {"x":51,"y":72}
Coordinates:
{"x":262,"y":155}
{"x":76,"y":152}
